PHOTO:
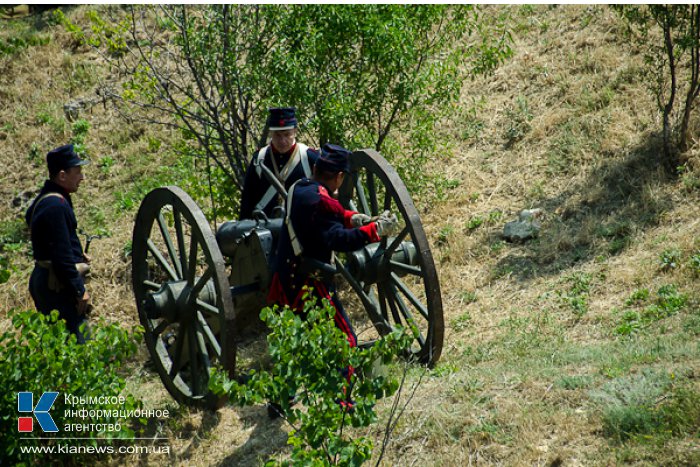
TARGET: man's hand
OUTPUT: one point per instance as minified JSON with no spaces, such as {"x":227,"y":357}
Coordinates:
{"x":387,"y":224}
{"x":359,"y":219}
{"x":84,"y":303}
{"x":87,"y":258}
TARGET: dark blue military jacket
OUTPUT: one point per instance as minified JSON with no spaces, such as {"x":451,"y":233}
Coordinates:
{"x":53,"y":227}
{"x":322,"y":226}
{"x":255,"y":187}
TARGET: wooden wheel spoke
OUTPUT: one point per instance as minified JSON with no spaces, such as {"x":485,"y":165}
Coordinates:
{"x":209,"y":334}
{"x":351,"y":280}
{"x":359,"y":189}
{"x":387,"y":199}
{"x":409,"y":295}
{"x":410,"y":320}
{"x":194,"y":360}
{"x":391,"y":298}
{"x":374,"y":206}
{"x":369,"y":304}
{"x":407,"y":268}
{"x":203,"y":348}
{"x":382,"y":303}
{"x":379,"y":302}
{"x":150,"y":285}
{"x":180,"y":241}
{"x":158,"y":330}
{"x":192,"y":263}
{"x":397,"y":241}
{"x":177,"y":358}
{"x":169,"y":244}
{"x":201,"y":282}
{"x":161,"y":259}
{"x":204,"y":307}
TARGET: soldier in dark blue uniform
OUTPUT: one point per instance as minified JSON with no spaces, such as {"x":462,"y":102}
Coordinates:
{"x":288,"y":160}
{"x":315,"y":227}
{"x":57,"y":280}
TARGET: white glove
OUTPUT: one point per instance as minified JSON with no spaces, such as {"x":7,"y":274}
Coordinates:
{"x":359,"y":219}
{"x":387,"y":224}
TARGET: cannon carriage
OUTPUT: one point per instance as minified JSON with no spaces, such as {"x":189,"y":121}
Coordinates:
{"x":196,"y":290}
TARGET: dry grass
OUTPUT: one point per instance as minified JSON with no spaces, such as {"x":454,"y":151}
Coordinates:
{"x":566,"y":125}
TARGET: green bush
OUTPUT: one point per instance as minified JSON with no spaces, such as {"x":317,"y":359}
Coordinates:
{"x":307,"y":356}
{"x":694,"y":264}
{"x":80,"y":132}
{"x":5,"y":269}
{"x":637,"y":297}
{"x":40,"y":355}
{"x":670,"y":259}
{"x":576,"y":297}
{"x":13,"y":45}
{"x":668,"y":302}
{"x":474,"y":222}
{"x":12,"y":231}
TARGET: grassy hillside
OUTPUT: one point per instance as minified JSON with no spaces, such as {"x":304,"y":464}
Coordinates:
{"x":580,"y":347}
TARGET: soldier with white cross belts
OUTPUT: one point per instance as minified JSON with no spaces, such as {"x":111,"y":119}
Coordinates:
{"x":288,"y":160}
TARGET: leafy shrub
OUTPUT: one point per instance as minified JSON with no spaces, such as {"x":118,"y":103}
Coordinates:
{"x":518,"y":121}
{"x":668,"y":302}
{"x":694,"y":264}
{"x":77,"y":34}
{"x":14,"y":45}
{"x":12,"y":231}
{"x":670,"y":259}
{"x":80,"y":131}
{"x":637,"y":297}
{"x":474,"y":222}
{"x":106,"y":164}
{"x":461,"y":322}
{"x":5,"y":270}
{"x":444,"y":235}
{"x":576,"y":297}
{"x":467,"y":297}
{"x":13,"y":236}
{"x":40,"y":355}
{"x":308,"y":355}
{"x":630,"y":323}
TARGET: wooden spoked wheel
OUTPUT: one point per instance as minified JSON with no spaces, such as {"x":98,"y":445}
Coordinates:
{"x":395,"y":281}
{"x":182,"y":295}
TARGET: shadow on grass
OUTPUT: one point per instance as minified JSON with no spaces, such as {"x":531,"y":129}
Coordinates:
{"x":598,"y":217}
{"x":196,"y":427}
{"x":266,"y":439}
{"x":210,"y":420}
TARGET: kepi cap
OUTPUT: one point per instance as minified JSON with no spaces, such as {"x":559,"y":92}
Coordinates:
{"x":63,"y":158}
{"x":282,"y":118}
{"x":334,"y":158}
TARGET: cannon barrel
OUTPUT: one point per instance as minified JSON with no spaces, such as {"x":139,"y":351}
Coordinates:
{"x":230,"y":233}
{"x":368,"y":264}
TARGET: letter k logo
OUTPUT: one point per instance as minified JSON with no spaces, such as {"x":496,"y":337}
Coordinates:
{"x":25,"y":403}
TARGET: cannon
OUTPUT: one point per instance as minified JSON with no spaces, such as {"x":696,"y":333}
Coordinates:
{"x":196,"y":291}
